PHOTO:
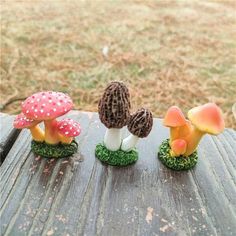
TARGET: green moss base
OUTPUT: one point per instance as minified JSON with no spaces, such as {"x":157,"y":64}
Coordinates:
{"x":176,"y":163}
{"x":54,"y":151}
{"x":115,"y":158}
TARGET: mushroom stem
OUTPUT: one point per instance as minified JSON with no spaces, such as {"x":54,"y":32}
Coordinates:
{"x":174,"y":133}
{"x":112,"y":139}
{"x":64,"y":139}
{"x":129,"y":142}
{"x":51,"y":134}
{"x":193,"y":140}
{"x":37,"y":134}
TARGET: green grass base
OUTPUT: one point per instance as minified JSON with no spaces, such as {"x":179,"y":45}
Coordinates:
{"x":54,"y":151}
{"x":115,"y":158}
{"x":176,"y":163}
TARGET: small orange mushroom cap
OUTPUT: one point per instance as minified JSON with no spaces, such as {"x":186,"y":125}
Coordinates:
{"x":207,"y":118}
{"x":178,"y":147}
{"x":174,"y":117}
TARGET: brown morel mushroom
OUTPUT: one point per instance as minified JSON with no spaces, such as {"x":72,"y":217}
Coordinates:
{"x":139,"y":125}
{"x":113,"y":109}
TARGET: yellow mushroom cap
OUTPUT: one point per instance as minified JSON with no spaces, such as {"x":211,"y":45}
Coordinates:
{"x":207,"y":118}
{"x":174,"y":117}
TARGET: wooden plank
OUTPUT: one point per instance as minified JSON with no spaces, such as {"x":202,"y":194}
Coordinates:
{"x":28,"y":182}
{"x":80,"y":196}
{"x":8,"y":135}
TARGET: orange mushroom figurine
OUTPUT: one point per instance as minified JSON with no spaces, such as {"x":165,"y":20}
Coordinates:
{"x":58,"y":138}
{"x":179,"y":152}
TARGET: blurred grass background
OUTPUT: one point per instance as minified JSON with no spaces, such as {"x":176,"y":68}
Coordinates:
{"x":168,"y":52}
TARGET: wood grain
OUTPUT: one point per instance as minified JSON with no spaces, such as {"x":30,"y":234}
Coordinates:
{"x":8,"y":135}
{"x":80,"y":196}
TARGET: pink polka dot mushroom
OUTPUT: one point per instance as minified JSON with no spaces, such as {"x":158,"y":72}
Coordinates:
{"x":68,"y":129}
{"x":47,"y":106}
{"x":21,"y":122}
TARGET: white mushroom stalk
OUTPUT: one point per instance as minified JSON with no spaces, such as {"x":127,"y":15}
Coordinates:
{"x":112,"y":139}
{"x":139,"y":125}
{"x":129,"y":143}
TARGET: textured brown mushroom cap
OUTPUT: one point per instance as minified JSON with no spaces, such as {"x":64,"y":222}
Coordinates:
{"x":140,"y":123}
{"x":114,"y":106}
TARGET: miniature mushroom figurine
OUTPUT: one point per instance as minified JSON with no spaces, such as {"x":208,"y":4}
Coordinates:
{"x":207,"y":118}
{"x":21,"y":122}
{"x":114,"y":113}
{"x":68,"y":129}
{"x":47,"y":106}
{"x":174,"y":119}
{"x":139,"y":125}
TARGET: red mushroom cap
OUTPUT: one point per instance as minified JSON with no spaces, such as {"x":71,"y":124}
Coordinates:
{"x":69,"y":127}
{"x":46,"y":105}
{"x":21,"y":122}
{"x":174,"y":117}
{"x":208,"y":118}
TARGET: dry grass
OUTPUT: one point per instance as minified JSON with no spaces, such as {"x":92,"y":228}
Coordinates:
{"x":169,"y":52}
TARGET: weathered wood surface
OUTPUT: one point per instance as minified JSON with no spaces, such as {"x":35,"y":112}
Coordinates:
{"x":80,"y":196}
{"x":8,"y":135}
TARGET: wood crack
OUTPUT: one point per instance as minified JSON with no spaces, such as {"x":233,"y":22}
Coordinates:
{"x":6,"y":147}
